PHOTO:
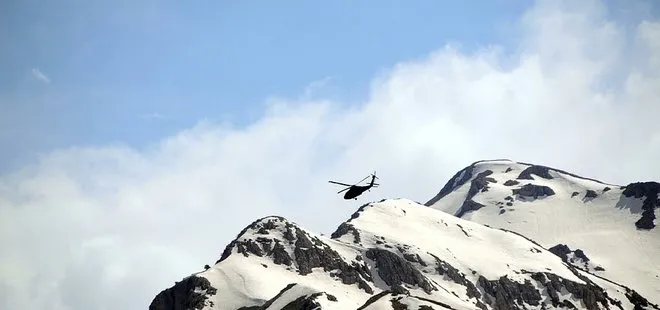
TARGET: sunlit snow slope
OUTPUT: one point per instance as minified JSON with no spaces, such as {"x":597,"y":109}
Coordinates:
{"x":604,"y":228}
{"x":394,"y":254}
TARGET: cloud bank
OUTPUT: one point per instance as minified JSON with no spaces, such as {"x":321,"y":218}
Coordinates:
{"x":109,"y":227}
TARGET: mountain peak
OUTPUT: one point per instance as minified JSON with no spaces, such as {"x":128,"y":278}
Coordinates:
{"x":555,"y":207}
{"x":556,"y":245}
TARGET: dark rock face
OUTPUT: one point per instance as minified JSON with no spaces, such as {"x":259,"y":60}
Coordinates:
{"x":397,"y":305}
{"x":590,"y":194}
{"x":260,"y":225}
{"x":395,"y":270}
{"x":304,"y":303}
{"x":639,"y":301}
{"x":444,"y":268}
{"x":478,"y":184}
{"x":590,"y":294}
{"x":399,"y":290}
{"x":469,"y":206}
{"x":560,"y":250}
{"x":308,"y":252}
{"x":373,"y":299}
{"x":541,"y":171}
{"x":511,"y":183}
{"x":307,"y":302}
{"x":277,"y":296}
{"x":562,"y":172}
{"x":533,"y":191}
{"x":315,"y":254}
{"x":506,"y":294}
{"x":183,"y":295}
{"x":345,"y":228}
{"x":563,"y":251}
{"x":649,"y":190}
{"x":413,"y":258}
{"x":456,"y":181}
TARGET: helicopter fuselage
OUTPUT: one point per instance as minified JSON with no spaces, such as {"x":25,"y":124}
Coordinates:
{"x":355,"y":191}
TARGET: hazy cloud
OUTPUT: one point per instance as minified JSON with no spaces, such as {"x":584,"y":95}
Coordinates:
{"x":40,"y":75}
{"x":96,"y":228}
{"x":153,"y":116}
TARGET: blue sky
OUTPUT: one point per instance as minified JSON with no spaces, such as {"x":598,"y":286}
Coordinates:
{"x":147,"y":196}
{"x":136,"y":71}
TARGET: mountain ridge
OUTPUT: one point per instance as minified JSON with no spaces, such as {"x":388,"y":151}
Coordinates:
{"x":603,"y":220}
{"x":399,"y":254}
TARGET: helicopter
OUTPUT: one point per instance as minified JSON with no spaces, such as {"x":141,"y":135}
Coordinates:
{"x":357,"y":190}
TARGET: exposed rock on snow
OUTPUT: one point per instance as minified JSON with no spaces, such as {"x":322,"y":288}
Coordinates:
{"x":461,"y":250}
{"x":540,"y":171}
{"x":556,"y":207}
{"x":532,"y":191}
{"x":575,"y":257}
{"x":648,"y":190}
{"x":191,"y":293}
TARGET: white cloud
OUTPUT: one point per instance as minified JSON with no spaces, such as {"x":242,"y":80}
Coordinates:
{"x":113,"y":226}
{"x":153,"y":116}
{"x":40,"y":75}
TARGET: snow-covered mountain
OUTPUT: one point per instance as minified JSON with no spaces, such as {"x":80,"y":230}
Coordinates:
{"x":399,"y":254}
{"x":604,"y":228}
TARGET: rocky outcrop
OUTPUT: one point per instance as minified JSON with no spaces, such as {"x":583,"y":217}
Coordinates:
{"x":457,"y":180}
{"x":394,"y":270}
{"x":591,"y":295}
{"x":504,"y":293}
{"x":639,"y":301}
{"x":649,"y":190}
{"x":478,"y":184}
{"x":533,"y":191}
{"x":400,"y":301}
{"x":310,"y":255}
{"x":540,"y":171}
{"x":191,"y":293}
{"x":345,"y":228}
{"x":308,"y":252}
{"x":303,"y":302}
{"x":445,"y":269}
{"x":563,"y":250}
{"x":575,"y":257}
{"x":590,"y":194}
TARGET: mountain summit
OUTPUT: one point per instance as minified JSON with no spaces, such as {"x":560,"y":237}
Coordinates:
{"x":611,"y":228}
{"x":499,"y":235}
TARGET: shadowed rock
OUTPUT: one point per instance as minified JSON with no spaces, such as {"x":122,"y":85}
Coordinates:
{"x":533,"y":191}
{"x":444,"y":268}
{"x":590,"y":194}
{"x":504,"y":293}
{"x":456,"y":181}
{"x":314,"y":253}
{"x":189,"y":294}
{"x":540,"y":171}
{"x":478,"y":184}
{"x":649,"y":190}
{"x":345,"y":228}
{"x":395,"y":270}
{"x":591,"y":295}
